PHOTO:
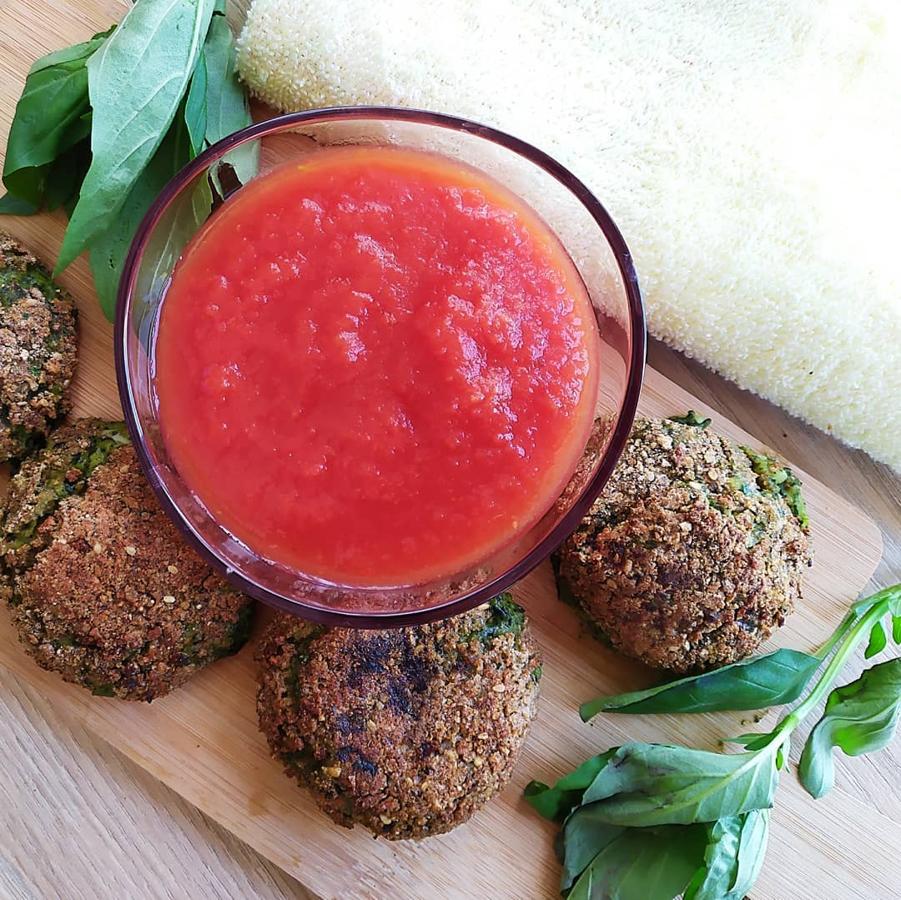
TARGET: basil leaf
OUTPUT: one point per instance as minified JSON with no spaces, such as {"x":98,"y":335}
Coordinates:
{"x":860,"y":717}
{"x":109,"y":250}
{"x":770,"y":680}
{"x":896,"y":629}
{"x":65,"y":175}
{"x":178,"y":225}
{"x":714,"y":878}
{"x":556,"y":802}
{"x":754,"y":741}
{"x":878,"y":641}
{"x":70,"y":54}
{"x":15,"y":206}
{"x":642,"y":864}
{"x":195,"y":107}
{"x":227,"y":109}
{"x":755,"y":835}
{"x":49,"y":119}
{"x":136,"y":82}
{"x":652,"y":784}
{"x":734,"y":857}
{"x":583,"y":837}
{"x":890,"y":596}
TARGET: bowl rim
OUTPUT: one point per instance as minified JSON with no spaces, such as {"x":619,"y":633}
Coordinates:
{"x":561,"y":530}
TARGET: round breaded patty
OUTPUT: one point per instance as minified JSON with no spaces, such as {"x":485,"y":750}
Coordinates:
{"x":101,"y":586}
{"x":37,"y":350}
{"x":409,"y":731}
{"x":694,"y":552}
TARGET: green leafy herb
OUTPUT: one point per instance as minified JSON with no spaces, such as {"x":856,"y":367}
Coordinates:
{"x":102,"y":126}
{"x":691,"y":418}
{"x":110,"y":248}
{"x":49,"y":121}
{"x":64,"y":476}
{"x":66,"y":175}
{"x":642,"y":864}
{"x":859,"y":718}
{"x":753,"y":741}
{"x":878,"y":641}
{"x":16,"y":206}
{"x":557,"y":802}
{"x":195,"y":108}
{"x":734,"y":856}
{"x":564,"y":591}
{"x":16,"y":281}
{"x":756,"y":683}
{"x":238,"y":634}
{"x":654,"y":784}
{"x":780,"y":480}
{"x":136,"y":82}
{"x":631,"y":817}
{"x":582,"y":839}
{"x":301,"y":640}
{"x":643,"y":785}
{"x":63,"y":642}
{"x":504,"y":617}
{"x":226,"y":109}
{"x":566,"y":595}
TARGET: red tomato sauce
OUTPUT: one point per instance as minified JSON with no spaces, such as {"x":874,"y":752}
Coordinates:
{"x":376,"y":366}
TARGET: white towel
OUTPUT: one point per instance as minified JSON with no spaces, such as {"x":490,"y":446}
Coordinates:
{"x":749,"y":151}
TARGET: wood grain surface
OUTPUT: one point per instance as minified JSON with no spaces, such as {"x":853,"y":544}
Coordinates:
{"x":77,"y":819}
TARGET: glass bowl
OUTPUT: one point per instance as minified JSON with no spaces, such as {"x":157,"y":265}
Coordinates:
{"x":584,"y":228}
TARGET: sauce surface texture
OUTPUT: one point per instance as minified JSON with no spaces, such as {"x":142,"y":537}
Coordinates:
{"x":376,"y":366}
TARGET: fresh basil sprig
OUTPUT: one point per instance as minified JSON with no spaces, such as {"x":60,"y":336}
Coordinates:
{"x":859,"y":718}
{"x":651,"y":822}
{"x":136,"y":81}
{"x":770,"y":680}
{"x":758,"y":682}
{"x":51,"y":126}
{"x":102,"y":126}
{"x":109,"y":249}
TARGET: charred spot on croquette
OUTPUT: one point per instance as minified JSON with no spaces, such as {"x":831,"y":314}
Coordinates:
{"x":694,"y":552}
{"x":406,"y":732}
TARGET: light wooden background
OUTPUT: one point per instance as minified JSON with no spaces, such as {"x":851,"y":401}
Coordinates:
{"x":78,"y":820}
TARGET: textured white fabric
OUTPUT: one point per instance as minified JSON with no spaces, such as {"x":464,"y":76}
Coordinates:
{"x":750,"y":151}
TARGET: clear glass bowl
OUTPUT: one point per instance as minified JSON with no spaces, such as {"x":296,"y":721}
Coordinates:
{"x":585,"y":230}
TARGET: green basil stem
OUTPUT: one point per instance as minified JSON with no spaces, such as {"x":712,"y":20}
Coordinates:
{"x":847,"y":637}
{"x":837,"y":635}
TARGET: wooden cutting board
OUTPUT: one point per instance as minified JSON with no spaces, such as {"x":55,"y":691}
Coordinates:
{"x":203,"y":741}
